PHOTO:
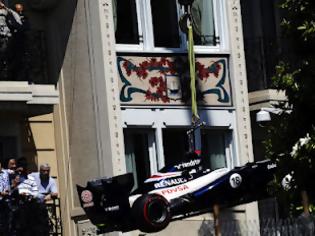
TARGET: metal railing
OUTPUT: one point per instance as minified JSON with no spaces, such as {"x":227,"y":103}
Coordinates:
{"x":300,"y":226}
{"x":54,"y":214}
{"x":28,"y":215}
{"x":23,"y":55}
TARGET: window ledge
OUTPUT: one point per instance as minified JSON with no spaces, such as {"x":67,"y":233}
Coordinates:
{"x":197,"y":50}
{"x":263,"y":98}
{"x":28,"y":93}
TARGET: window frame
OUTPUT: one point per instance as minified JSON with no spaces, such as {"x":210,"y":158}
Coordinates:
{"x":146,"y":37}
{"x":157,"y":120}
{"x":140,"y":21}
{"x":157,"y":163}
{"x":152,"y":152}
{"x":228,"y":145}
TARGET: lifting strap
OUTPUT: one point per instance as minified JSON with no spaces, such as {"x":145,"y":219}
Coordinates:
{"x":191,"y":59}
{"x":195,"y":119}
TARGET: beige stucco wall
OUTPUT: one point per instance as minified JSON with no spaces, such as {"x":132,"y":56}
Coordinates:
{"x":42,"y":128}
{"x":38,"y":142}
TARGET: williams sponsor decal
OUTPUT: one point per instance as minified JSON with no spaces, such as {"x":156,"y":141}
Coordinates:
{"x":112,"y":208}
{"x":169,"y":182}
{"x":175,"y":189}
{"x":191,"y":163}
{"x":271,"y":166}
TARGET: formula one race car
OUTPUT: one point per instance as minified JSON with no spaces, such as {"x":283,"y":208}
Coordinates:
{"x":175,"y":192}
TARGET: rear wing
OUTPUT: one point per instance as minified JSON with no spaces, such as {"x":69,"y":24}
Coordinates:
{"x":102,"y":199}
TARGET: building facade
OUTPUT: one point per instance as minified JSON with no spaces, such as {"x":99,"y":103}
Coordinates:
{"x":31,"y":54}
{"x":124,"y":97}
{"x":28,"y":91}
{"x":264,"y":46}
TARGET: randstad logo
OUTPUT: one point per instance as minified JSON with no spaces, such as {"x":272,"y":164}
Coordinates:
{"x":188,"y":164}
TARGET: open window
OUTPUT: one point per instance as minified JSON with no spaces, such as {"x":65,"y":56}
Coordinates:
{"x":204,"y":23}
{"x":126,"y":22}
{"x":152,"y":25}
{"x":165,"y":23}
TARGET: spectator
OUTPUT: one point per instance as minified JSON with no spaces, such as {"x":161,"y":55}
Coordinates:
{"x":4,"y":209}
{"x":31,"y":216}
{"x":24,"y":183}
{"x":27,"y":186}
{"x":10,"y":164}
{"x":46,"y":184}
{"x":21,"y":168}
{"x":4,"y":182}
{"x":10,"y":23}
{"x":21,"y":53}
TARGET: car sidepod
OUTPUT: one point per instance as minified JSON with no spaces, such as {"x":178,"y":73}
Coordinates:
{"x":238,"y":186}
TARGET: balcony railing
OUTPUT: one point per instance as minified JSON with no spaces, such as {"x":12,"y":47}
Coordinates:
{"x":22,"y":51}
{"x":54,"y":214}
{"x":26,"y":214}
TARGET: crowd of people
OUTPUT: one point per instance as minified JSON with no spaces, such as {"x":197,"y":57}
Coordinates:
{"x":23,"y":198}
{"x":20,"y":45}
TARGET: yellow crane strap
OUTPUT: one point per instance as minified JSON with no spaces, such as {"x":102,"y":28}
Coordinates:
{"x":191,"y":59}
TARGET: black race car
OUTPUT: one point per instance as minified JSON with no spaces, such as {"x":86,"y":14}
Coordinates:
{"x":175,"y":192}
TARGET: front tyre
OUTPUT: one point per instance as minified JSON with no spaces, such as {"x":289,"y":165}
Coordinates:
{"x":151,"y":213}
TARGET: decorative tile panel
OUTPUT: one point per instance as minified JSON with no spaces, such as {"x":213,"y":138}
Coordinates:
{"x":165,"y":81}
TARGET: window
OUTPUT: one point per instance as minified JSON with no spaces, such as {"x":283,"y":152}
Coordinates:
{"x":215,"y":145}
{"x":203,"y":23}
{"x":139,"y":153}
{"x":175,"y":145}
{"x":152,"y":25}
{"x":165,"y":23}
{"x":127,"y":26}
{"x":141,"y":149}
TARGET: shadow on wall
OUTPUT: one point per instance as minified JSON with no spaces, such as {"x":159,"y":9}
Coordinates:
{"x":28,"y":147}
{"x":58,"y":25}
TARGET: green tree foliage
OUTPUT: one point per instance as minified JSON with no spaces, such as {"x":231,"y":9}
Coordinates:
{"x":291,"y":139}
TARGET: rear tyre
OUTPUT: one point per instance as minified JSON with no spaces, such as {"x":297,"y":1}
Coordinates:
{"x":151,"y":213}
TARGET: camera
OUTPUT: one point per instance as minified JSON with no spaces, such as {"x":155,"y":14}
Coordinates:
{"x":263,"y":118}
